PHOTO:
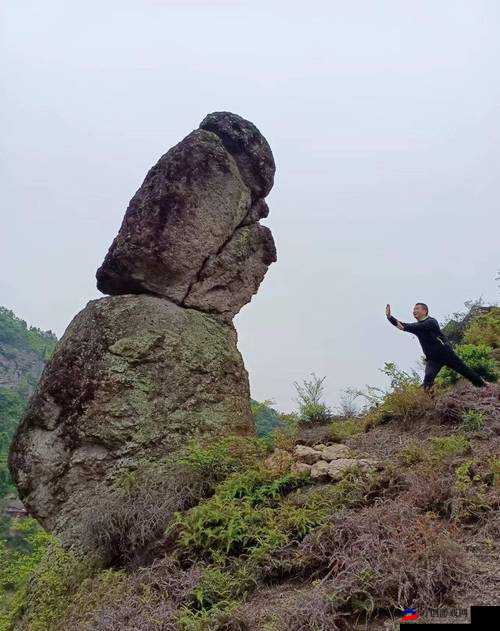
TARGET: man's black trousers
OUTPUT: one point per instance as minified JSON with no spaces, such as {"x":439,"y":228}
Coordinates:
{"x":434,"y":364}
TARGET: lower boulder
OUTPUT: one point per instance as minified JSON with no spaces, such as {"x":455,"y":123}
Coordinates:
{"x":133,"y":378}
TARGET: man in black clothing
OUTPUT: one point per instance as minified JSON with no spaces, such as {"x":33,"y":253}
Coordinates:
{"x":437,"y":350}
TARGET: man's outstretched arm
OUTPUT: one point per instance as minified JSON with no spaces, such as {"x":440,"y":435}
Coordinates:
{"x":392,"y":319}
{"x":409,"y":327}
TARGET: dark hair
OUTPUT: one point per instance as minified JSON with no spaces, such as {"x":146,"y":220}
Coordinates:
{"x":422,"y":304}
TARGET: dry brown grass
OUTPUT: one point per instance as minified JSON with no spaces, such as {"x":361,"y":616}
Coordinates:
{"x":384,"y":556}
{"x":430,"y":489}
{"x":451,"y":405}
{"x":146,"y":600}
{"x":124,"y":525}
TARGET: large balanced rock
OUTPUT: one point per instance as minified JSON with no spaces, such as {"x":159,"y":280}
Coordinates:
{"x":191,"y":232}
{"x":133,"y":377}
{"x":139,"y":373}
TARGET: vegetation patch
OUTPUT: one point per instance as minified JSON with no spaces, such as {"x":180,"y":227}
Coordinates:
{"x":218,"y":459}
{"x":478,"y":357}
{"x":471,"y":494}
{"x":149,"y":598}
{"x":345,"y":428}
{"x":37,"y":587}
{"x":312,"y":408}
{"x":449,"y":446}
{"x":403,"y":402}
{"x":382,"y":557}
{"x":125,"y":520}
{"x":472,"y":421}
{"x":484,"y":329}
{"x":242,"y":519}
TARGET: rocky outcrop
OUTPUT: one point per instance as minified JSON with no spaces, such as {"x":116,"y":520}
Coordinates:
{"x":141,"y":372}
{"x":322,"y":461}
{"x":23,"y":352}
{"x":133,"y":377}
{"x":191,"y":232}
{"x":19,"y":366}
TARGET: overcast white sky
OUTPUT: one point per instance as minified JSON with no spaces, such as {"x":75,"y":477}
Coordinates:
{"x":384,"y":120}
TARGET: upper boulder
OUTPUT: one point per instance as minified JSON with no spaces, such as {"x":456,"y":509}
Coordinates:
{"x":188,"y":214}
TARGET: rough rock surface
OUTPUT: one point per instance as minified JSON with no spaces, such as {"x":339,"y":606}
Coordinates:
{"x":310,"y":455}
{"x":307,"y":454}
{"x":229,"y":278}
{"x":323,"y":460}
{"x":191,"y":232}
{"x":319,"y":469}
{"x":133,"y":377}
{"x":333,"y":452}
{"x":249,"y":148}
{"x":16,"y":364}
{"x":300,"y":467}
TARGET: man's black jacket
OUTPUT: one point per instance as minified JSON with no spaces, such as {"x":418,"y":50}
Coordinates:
{"x":433,"y":342}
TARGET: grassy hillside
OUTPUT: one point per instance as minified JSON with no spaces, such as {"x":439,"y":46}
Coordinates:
{"x":23,"y":352}
{"x":265,"y":545}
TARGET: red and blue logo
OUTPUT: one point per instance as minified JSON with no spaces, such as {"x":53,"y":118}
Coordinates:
{"x":409,"y":614}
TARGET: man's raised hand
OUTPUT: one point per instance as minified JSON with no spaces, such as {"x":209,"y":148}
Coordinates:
{"x":388,"y":310}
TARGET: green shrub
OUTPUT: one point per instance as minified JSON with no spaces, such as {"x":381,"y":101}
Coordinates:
{"x":283,"y":437}
{"x":352,"y":490}
{"x":205,"y":619}
{"x":478,"y":357}
{"x":259,"y":486}
{"x":472,"y":421}
{"x":470,"y":498}
{"x":400,"y":378}
{"x":220,"y":458}
{"x":220,"y":527}
{"x":38,"y":585}
{"x":311,"y":407}
{"x":250,"y":516}
{"x":343,"y":429}
{"x":242,"y":518}
{"x":494,"y":464}
{"x":454,"y":327}
{"x":413,"y":452}
{"x":448,"y":446}
{"x":220,"y":589}
{"x":484,"y":329}
{"x":406,"y":403}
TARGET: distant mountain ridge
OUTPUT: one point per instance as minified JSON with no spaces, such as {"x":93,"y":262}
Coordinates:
{"x":23,"y":353}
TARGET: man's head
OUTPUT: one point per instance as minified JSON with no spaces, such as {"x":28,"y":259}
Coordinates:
{"x":420,"y":311}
